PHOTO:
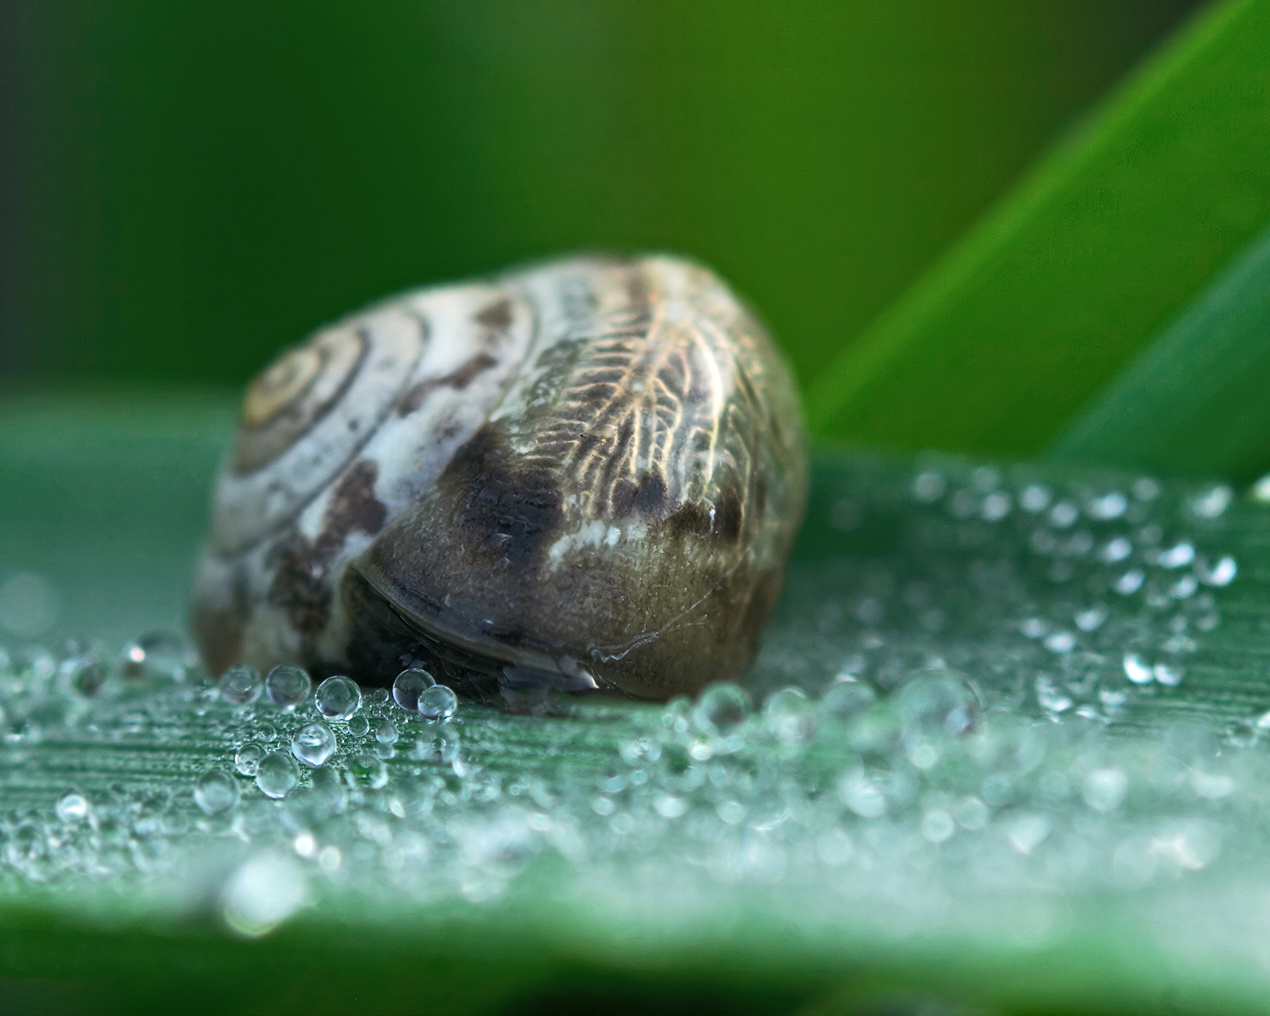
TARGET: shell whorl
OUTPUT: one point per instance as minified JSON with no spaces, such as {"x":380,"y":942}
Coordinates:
{"x":570,"y":470}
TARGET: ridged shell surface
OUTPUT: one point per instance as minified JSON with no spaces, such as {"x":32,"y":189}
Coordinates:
{"x":584,"y":474}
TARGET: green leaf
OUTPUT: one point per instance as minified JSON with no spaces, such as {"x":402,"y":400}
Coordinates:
{"x":1023,"y":322}
{"x":1092,"y":843}
{"x":1194,"y":401}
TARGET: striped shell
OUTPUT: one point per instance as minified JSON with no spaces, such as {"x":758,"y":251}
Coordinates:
{"x":585,"y":474}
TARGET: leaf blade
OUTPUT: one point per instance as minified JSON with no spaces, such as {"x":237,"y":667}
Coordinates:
{"x":1085,"y":260}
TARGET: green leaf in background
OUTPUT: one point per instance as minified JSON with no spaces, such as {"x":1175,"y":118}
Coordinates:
{"x":1069,"y":277}
{"x":195,"y":186}
{"x":1195,"y":400}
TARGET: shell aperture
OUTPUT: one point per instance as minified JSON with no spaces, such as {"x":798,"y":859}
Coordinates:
{"x":584,"y":474}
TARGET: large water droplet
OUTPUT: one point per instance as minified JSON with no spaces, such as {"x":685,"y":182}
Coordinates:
{"x":247,"y":758}
{"x":721,"y":710}
{"x":1219,"y":572}
{"x":409,"y":685}
{"x":73,"y":807}
{"x":438,"y":703}
{"x":337,"y":698}
{"x":861,"y":794}
{"x":287,"y":685}
{"x":844,"y":699}
{"x":934,"y":704}
{"x":440,"y":745}
{"x":1105,"y":789}
{"x":239,"y":685}
{"x":277,"y":774}
{"x":313,"y":745}
{"x":262,"y":893}
{"x":157,"y":655}
{"x":215,"y":791}
{"x":790,"y":716}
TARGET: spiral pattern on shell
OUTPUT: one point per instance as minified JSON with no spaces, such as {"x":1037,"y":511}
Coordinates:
{"x":583,"y":474}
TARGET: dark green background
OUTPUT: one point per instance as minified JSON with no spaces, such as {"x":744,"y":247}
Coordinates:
{"x":189,"y":186}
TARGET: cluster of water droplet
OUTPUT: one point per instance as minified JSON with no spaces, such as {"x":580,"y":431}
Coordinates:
{"x":934,"y":723}
{"x":1063,"y":598}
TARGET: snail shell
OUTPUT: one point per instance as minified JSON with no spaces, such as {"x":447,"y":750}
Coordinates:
{"x":586,"y":474}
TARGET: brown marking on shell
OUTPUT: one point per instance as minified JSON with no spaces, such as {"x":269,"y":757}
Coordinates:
{"x":353,"y":508}
{"x":220,"y":626}
{"x":497,"y":316}
{"x":299,"y":584}
{"x":503,"y":502}
{"x":458,"y":379}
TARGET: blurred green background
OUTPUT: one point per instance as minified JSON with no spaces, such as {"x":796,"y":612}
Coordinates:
{"x":190,"y":186}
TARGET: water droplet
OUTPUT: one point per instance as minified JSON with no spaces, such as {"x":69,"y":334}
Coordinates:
{"x":928,"y":486}
{"x":971,"y":814}
{"x":1064,"y":514}
{"x":409,"y":685}
{"x":1216,"y":573}
{"x":34,"y":662}
{"x":313,"y":745}
{"x":937,"y":826}
{"x":84,"y":675}
{"x":1146,"y":489}
{"x":963,"y":504}
{"x":215,"y":791}
{"x":1107,"y":506}
{"x":337,"y":698}
{"x":1028,"y":831}
{"x":359,"y":726}
{"x":996,"y":506}
{"x":386,"y":732}
{"x":440,"y":745}
{"x":721,"y":709}
{"x":1033,"y":627}
{"x":1130,"y":582}
{"x":861,"y":794}
{"x":639,"y":751}
{"x":73,"y":807}
{"x":1115,"y":549}
{"x":368,"y":769}
{"x":1035,"y":498}
{"x":287,"y":685}
{"x":1211,"y":503}
{"x":248,"y":756}
{"x":1169,"y":674}
{"x":1060,"y":642}
{"x":157,"y":655}
{"x":845,"y":699}
{"x":1048,"y":694}
{"x":668,"y":805}
{"x":985,"y":479}
{"x":277,"y":774}
{"x":834,"y":847}
{"x":934,"y":704}
{"x":262,"y":893}
{"x":1212,"y":786}
{"x":790,"y":716}
{"x":438,"y":703}
{"x":1136,"y":669}
{"x":1104,"y":789}
{"x":239,"y":685}
{"x":1177,"y":556}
